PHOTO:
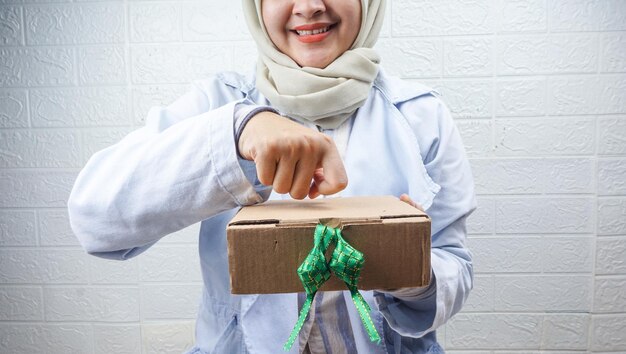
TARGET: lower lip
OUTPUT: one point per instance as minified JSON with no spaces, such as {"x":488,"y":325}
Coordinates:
{"x":314,"y":38}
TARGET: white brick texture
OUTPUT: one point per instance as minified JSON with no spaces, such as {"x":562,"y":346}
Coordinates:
{"x":538,"y":91}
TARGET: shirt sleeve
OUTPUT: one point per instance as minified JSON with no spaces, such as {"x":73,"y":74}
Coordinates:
{"x":417,"y":313}
{"x":179,"y":169}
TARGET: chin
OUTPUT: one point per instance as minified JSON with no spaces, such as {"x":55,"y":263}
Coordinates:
{"x":315,"y":62}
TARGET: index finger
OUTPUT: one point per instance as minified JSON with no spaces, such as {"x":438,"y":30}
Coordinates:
{"x":335,"y":177}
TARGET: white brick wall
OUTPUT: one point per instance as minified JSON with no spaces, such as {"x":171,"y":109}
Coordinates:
{"x":538,"y":90}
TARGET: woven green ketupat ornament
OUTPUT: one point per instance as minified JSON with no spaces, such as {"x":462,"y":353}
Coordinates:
{"x":346,"y":263}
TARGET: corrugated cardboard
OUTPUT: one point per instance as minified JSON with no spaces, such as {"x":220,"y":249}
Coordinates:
{"x":267,"y":243}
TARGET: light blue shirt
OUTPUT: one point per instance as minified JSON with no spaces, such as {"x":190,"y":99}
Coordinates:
{"x":182,"y":168}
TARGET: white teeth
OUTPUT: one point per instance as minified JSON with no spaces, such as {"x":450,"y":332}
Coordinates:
{"x":312,"y":32}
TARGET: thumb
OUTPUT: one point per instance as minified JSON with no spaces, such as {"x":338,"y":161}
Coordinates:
{"x":318,"y":177}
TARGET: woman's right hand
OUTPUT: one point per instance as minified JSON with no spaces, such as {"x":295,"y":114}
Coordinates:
{"x":292,"y":158}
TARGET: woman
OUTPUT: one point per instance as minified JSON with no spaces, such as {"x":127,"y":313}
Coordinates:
{"x":318,"y":117}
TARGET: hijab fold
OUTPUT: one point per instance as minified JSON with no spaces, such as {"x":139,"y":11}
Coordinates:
{"x":323,"y":96}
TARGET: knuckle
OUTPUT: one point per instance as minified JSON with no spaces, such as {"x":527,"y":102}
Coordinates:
{"x":271,"y":147}
{"x":323,"y":137}
{"x":326,"y":139}
{"x":306,"y":147}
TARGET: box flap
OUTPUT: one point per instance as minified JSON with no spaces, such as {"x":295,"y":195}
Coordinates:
{"x":353,"y":209}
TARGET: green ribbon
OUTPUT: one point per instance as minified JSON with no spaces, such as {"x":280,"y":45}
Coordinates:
{"x":346,"y":263}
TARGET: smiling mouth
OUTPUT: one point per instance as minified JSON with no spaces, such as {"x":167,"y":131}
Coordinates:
{"x":312,"y":32}
{"x":313,"y":29}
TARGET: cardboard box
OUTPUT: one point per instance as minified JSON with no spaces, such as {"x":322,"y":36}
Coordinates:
{"x":267,"y":242}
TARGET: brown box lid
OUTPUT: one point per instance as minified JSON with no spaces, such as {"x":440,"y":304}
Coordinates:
{"x":267,"y":242}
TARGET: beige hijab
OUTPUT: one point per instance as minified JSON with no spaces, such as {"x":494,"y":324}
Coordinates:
{"x":325,"y":97}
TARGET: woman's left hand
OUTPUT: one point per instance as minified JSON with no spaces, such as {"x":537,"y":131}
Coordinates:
{"x":405,"y":198}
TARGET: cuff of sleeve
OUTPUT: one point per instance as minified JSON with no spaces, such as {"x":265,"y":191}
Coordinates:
{"x":412,"y":294}
{"x":249,"y":169}
{"x":226,"y":162}
{"x":244,"y":112}
{"x":411,"y":313}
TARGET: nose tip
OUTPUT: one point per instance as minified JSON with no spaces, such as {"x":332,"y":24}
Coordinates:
{"x":309,"y":8}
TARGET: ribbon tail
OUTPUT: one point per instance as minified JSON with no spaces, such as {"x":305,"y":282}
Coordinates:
{"x":364,"y":312}
{"x":296,"y":330}
{"x":362,"y":300}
